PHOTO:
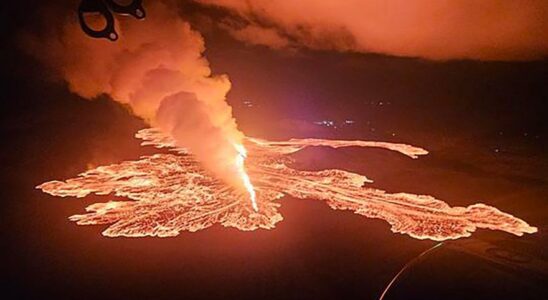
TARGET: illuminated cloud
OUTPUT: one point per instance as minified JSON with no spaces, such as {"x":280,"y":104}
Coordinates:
{"x":440,"y":30}
{"x":157,"y":69}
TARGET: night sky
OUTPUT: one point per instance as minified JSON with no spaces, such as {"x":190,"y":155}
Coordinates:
{"x":484,"y":123}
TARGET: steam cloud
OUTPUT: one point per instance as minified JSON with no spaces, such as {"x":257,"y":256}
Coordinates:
{"x":460,"y":29}
{"x":157,"y":68}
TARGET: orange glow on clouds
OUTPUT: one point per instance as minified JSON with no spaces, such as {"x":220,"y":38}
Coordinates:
{"x":486,"y":30}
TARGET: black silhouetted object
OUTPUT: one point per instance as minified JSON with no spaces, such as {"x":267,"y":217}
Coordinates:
{"x":106,"y":8}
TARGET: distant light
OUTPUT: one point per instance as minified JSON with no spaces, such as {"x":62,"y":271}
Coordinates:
{"x":326,"y":123}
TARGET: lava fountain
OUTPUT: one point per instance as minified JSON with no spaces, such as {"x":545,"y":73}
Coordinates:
{"x":171,"y":192}
{"x":240,"y":163}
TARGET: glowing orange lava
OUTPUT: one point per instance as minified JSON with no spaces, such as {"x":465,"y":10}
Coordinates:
{"x":243,"y":174}
{"x":170,"y":193}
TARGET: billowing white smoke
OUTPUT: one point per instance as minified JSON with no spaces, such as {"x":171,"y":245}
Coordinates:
{"x":486,"y":29}
{"x":158,"y":70}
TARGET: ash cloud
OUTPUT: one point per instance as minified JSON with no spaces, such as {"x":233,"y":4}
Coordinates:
{"x":438,"y":30}
{"x":157,"y":69}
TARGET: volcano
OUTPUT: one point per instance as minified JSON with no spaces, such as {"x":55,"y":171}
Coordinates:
{"x":171,"y":192}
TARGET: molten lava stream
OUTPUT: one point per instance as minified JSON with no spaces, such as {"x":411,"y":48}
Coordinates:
{"x":240,"y":159}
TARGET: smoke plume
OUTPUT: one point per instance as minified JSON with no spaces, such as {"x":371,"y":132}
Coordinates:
{"x":158,"y":70}
{"x":440,"y":30}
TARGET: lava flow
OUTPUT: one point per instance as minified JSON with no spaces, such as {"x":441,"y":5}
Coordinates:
{"x":242,"y":155}
{"x":171,"y":192}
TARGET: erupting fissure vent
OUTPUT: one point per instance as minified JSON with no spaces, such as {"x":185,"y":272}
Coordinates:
{"x":170,"y":193}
